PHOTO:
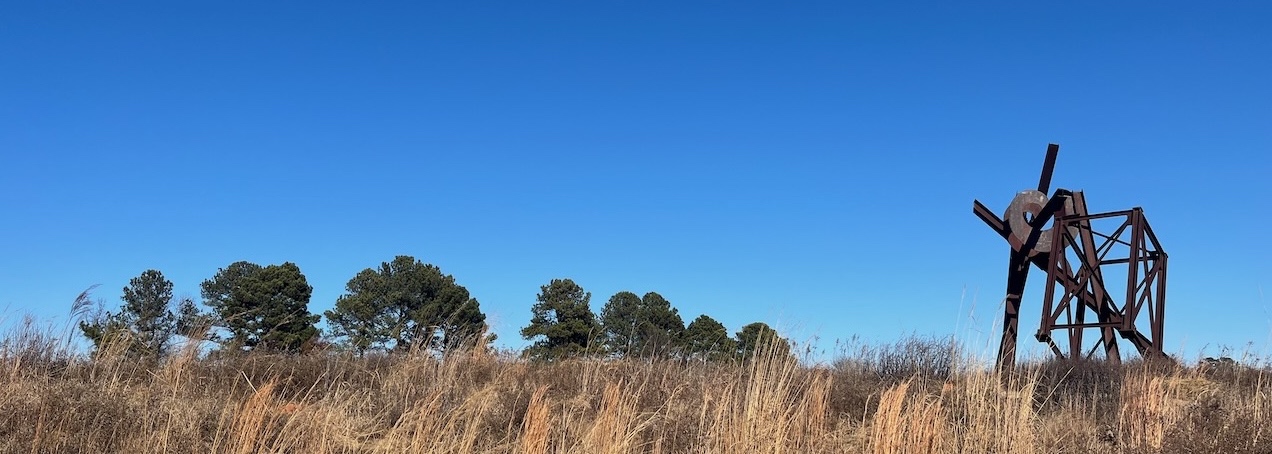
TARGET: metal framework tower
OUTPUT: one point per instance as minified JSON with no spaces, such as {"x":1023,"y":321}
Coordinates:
{"x":1084,"y":256}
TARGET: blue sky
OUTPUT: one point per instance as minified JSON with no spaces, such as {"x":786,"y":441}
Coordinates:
{"x":808,"y":165}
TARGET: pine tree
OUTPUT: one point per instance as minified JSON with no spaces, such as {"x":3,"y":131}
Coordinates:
{"x":562,"y":323}
{"x":145,"y":320}
{"x":644,"y":327}
{"x":759,"y":338}
{"x":403,"y":303}
{"x":706,"y":339}
{"x":262,"y":308}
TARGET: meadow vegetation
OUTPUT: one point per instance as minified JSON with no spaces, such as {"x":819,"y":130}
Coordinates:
{"x":915,"y":396}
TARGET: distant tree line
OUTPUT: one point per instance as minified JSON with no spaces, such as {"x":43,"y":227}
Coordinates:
{"x":563,"y":325}
{"x":402,"y":305}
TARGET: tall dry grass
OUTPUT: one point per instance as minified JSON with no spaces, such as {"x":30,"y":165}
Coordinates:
{"x":55,"y":401}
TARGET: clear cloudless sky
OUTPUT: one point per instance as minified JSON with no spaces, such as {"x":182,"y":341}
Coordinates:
{"x":807,"y":164}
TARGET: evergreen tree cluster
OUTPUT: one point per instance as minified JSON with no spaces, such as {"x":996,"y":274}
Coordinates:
{"x":402,"y":305}
{"x":563,"y":325}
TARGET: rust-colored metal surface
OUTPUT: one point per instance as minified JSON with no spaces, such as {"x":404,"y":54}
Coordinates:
{"x":1084,"y":256}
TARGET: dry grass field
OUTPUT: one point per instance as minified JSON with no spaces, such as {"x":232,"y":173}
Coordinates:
{"x":911,"y":397}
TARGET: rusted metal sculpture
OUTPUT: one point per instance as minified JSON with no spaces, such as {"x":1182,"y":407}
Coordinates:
{"x":1082,"y":266}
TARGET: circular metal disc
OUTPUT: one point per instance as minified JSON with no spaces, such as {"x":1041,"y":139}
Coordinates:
{"x":1024,"y":207}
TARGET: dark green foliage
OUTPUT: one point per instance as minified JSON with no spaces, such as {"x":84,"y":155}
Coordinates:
{"x":105,"y":327}
{"x":146,"y":301}
{"x":759,"y":337}
{"x":262,"y":308}
{"x":145,"y":318}
{"x":706,"y":339}
{"x":619,"y":322}
{"x":642,"y":327}
{"x":561,"y":320}
{"x":191,"y":322}
{"x":403,"y":303}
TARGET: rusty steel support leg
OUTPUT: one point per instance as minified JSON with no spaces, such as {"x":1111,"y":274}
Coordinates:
{"x":1054,"y":261}
{"x":1130,"y":307}
{"x":1104,"y":314}
{"x":1160,"y":323}
{"x":1017,"y":275}
{"x":1111,"y":352}
{"x":1075,"y":334}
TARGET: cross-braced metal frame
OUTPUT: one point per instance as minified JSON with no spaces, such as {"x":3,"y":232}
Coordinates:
{"x":1077,"y":259}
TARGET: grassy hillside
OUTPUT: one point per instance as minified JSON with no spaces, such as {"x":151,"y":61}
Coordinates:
{"x":912,"y":397}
